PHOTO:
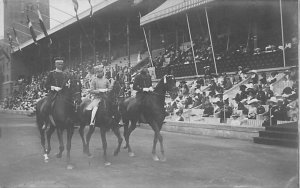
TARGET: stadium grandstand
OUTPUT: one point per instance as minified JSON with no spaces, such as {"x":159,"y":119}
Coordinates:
{"x":214,"y":47}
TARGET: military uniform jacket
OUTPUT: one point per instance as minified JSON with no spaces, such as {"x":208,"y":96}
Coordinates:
{"x":142,"y":81}
{"x":56,"y":79}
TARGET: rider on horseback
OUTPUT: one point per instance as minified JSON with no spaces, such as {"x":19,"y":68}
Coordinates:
{"x":54,"y":83}
{"x":99,"y":86}
{"x":142,"y":84}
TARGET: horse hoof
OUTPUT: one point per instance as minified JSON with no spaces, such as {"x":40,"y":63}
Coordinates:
{"x":58,"y":155}
{"x":155,"y":158}
{"x":131,"y":154}
{"x":70,"y":167}
{"x":46,"y":160}
{"x":107,"y":164}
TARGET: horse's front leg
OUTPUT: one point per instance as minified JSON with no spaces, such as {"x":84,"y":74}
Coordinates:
{"x":88,"y":138}
{"x":157,"y":136}
{"x":61,"y":142}
{"x":70,"y":132}
{"x":120,"y":139}
{"x":104,"y":145}
{"x":42,"y":133}
{"x":81,"y":133}
{"x":49,"y":133}
{"x":131,"y":128}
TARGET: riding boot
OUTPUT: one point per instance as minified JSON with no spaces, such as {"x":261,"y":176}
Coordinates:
{"x":94,"y":111}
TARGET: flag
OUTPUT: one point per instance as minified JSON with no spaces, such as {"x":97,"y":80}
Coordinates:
{"x":75,"y":3}
{"x":10,"y":40}
{"x":31,"y":30}
{"x":136,"y":2}
{"x":43,"y":26}
{"x":5,"y":53}
{"x":16,"y":37}
{"x":91,"y":12}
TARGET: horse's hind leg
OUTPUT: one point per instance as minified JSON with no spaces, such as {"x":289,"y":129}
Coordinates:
{"x":88,"y":138}
{"x":131,"y":128}
{"x":104,"y":145}
{"x":61,"y":142}
{"x":126,"y":124}
{"x":49,"y":133}
{"x":81,"y":133}
{"x":70,"y":132}
{"x":120,"y":139}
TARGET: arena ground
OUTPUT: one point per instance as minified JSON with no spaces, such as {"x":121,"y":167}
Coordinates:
{"x":192,"y":161}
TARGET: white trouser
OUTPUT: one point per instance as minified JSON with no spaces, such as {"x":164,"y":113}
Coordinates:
{"x":94,"y":111}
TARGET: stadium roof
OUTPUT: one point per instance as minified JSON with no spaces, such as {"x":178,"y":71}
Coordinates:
{"x":82,"y":15}
{"x":171,"y":7}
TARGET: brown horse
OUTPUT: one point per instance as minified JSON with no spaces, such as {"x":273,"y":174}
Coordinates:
{"x":152,"y":110}
{"x":107,"y":117}
{"x":62,"y":117}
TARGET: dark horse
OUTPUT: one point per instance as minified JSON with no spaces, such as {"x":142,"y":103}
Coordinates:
{"x":107,"y":117}
{"x":152,"y":110}
{"x":62,"y":117}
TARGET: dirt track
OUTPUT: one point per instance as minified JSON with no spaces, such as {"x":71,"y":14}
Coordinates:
{"x":192,"y":161}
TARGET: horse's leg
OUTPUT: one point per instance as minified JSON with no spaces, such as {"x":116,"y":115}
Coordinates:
{"x":49,"y":133}
{"x":154,"y":156}
{"x":88,"y":138}
{"x":131,"y":128}
{"x":158,"y":136}
{"x":81,"y":133}
{"x":126,"y":124}
{"x":42,"y":133}
{"x":70,"y":132}
{"x":61,"y":142}
{"x":116,"y":130}
{"x":104,"y":145}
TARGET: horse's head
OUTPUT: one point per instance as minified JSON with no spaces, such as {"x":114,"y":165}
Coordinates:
{"x":166,"y":84}
{"x":73,"y":86}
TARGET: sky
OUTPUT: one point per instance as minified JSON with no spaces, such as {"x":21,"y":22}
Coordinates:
{"x":1,"y":20}
{"x":59,"y":9}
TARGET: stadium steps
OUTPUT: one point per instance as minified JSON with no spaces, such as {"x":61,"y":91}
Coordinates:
{"x":281,"y":135}
{"x":279,"y":85}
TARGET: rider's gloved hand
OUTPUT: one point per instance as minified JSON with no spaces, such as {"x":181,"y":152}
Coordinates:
{"x":151,"y":89}
{"x":146,"y":89}
{"x":54,"y":88}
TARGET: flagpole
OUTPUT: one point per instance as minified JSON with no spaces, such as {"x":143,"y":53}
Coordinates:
{"x":80,"y":46}
{"x":28,"y":27}
{"x":282,"y":34}
{"x":228,"y":40}
{"x":211,"y":43}
{"x":21,"y":32}
{"x":94,"y":39}
{"x":109,"y":45}
{"x":188,"y":24}
{"x":128,"y":41}
{"x":147,"y":43}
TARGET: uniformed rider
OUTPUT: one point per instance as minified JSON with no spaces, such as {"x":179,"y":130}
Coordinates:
{"x":99,"y":87}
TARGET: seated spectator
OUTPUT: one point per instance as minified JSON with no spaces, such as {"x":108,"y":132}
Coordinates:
{"x":270,"y":118}
{"x":280,"y":111}
{"x":261,"y":95}
{"x":269,"y":93}
{"x":272,"y":79}
{"x":227,"y":83}
{"x":253,"y":76}
{"x":208,"y":109}
{"x":263,"y":80}
{"x":252,"y":110}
